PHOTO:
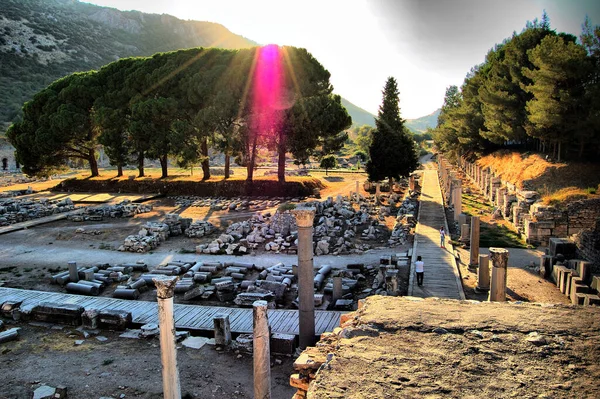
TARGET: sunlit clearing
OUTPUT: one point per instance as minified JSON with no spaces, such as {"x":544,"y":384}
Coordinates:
{"x":270,"y":96}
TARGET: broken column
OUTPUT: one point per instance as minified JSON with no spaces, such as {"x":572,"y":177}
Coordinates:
{"x":499,"y":257}
{"x":483,"y":273}
{"x":222,"y":330}
{"x":261,"y":351}
{"x":464,"y":232}
{"x":165,"y":287}
{"x":337,"y":288}
{"x":304,"y":219}
{"x":474,"y":242}
{"x":73,"y":273}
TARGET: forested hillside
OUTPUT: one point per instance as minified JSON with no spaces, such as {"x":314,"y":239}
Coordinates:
{"x":537,"y":90}
{"x":43,"y":40}
{"x":420,"y":125}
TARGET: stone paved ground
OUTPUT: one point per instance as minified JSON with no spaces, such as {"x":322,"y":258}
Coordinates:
{"x":403,"y":348}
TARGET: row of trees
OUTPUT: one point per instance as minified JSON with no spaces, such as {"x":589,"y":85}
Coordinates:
{"x":539,"y":89}
{"x":176,"y":105}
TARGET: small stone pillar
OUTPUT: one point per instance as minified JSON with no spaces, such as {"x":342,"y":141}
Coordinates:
{"x":462,"y":219}
{"x":357,"y":188}
{"x":261,"y":351}
{"x":411,"y":183}
{"x":499,"y":257}
{"x":222,"y":330}
{"x":474,"y":242}
{"x":165,"y":287}
{"x":73,"y":273}
{"x":337,"y":288}
{"x":304,"y":218}
{"x":377,"y":191}
{"x":545,"y":266}
{"x":464,"y":232}
{"x":483,"y":273}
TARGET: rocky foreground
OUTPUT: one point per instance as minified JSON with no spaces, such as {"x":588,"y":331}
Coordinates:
{"x":415,"y":348}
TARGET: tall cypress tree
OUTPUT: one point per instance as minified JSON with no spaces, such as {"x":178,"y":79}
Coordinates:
{"x":393,"y":153}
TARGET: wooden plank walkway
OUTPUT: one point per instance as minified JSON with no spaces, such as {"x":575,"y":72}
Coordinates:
{"x":187,"y":317}
{"x":441,"y":278}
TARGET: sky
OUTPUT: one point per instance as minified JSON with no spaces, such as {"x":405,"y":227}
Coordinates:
{"x":427,"y":45}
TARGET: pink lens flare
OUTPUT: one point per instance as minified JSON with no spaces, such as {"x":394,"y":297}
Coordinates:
{"x":270,"y":96}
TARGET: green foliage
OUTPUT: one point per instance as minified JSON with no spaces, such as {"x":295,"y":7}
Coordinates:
{"x":537,"y":88}
{"x":328,"y":162}
{"x":392,"y":152}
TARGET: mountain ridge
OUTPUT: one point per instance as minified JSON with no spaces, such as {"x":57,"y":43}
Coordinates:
{"x":44,"y":40}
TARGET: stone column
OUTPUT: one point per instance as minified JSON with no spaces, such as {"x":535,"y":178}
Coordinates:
{"x":165,"y":287}
{"x":304,"y":219}
{"x":73,"y":273}
{"x":261,"y":351}
{"x":474,"y":242}
{"x":464,"y":232}
{"x":377,"y":189}
{"x":483,"y":273}
{"x":457,"y":201}
{"x":222,"y":330}
{"x":499,"y":257}
{"x":337,"y":288}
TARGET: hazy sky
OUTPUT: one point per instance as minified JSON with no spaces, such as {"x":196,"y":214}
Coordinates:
{"x":426,"y":45}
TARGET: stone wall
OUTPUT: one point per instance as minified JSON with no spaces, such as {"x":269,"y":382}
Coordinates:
{"x":588,"y":245}
{"x":535,"y":221}
{"x":7,"y":152}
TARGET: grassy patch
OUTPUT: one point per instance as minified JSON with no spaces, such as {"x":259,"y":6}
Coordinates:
{"x":187,"y":251}
{"x":568,"y":194}
{"x":472,"y":206}
{"x":7,"y":269}
{"x":497,"y":235}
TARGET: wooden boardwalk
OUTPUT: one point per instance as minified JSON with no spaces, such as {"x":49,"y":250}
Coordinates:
{"x":441,"y":278}
{"x":187,"y":317}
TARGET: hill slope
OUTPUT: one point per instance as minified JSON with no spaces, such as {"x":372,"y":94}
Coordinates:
{"x":421,"y":124}
{"x":43,"y":40}
{"x":359,"y":116}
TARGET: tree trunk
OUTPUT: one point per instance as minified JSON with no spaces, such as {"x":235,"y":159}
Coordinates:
{"x":581,"y":145}
{"x":252,"y":153}
{"x":559,"y":143}
{"x":93,"y":163}
{"x":281,"y":162}
{"x":391,"y":183}
{"x":227,"y":161}
{"x":119,"y":170}
{"x":141,"y":164}
{"x":205,"y":165}
{"x":163,"y":165}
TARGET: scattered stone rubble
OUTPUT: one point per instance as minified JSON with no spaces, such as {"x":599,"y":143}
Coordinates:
{"x":15,"y":210}
{"x":233,"y":204}
{"x":153,"y":233}
{"x":124,"y":209}
{"x":338,"y":226}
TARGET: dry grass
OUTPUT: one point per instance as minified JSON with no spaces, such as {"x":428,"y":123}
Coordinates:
{"x":516,"y":167}
{"x":556,"y":182}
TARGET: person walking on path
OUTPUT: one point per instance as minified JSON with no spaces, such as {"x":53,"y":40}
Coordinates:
{"x":419,"y":270}
{"x":442,"y":237}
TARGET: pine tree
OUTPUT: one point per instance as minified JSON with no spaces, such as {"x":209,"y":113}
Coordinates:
{"x":393,"y":152}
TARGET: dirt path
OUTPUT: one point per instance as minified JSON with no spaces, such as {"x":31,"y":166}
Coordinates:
{"x":123,"y":366}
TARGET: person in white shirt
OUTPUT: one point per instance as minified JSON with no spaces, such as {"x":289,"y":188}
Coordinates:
{"x":442,"y":237}
{"x":419,"y":270}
